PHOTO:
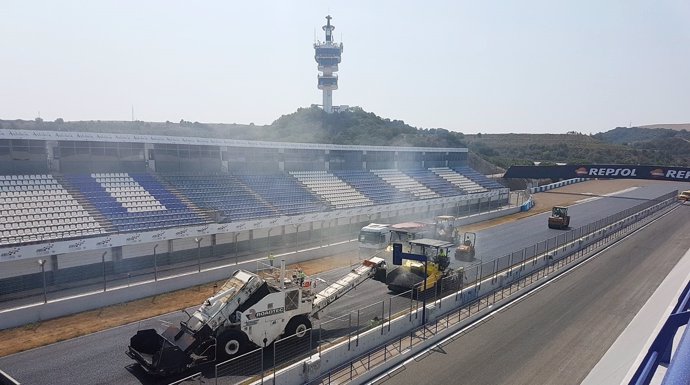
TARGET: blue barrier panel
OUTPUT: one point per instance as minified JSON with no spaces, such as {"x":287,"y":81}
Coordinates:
{"x":660,"y":351}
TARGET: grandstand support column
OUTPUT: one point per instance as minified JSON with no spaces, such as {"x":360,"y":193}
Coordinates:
{"x":42,"y":262}
{"x":198,"y":251}
{"x":116,"y":257}
{"x":170,"y":250}
{"x":150,"y":155}
{"x":53,"y":156}
{"x":297,"y":225}
{"x":103,"y":263}
{"x":234,"y":242}
{"x":53,"y":269}
{"x":224,"y":164}
{"x":155,"y":264}
{"x":268,"y":237}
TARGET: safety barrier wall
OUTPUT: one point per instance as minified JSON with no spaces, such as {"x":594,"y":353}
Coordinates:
{"x":527,"y":205}
{"x":93,"y":300}
{"x":552,"y":186}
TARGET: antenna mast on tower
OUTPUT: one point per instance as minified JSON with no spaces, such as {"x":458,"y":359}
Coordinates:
{"x":327,"y":55}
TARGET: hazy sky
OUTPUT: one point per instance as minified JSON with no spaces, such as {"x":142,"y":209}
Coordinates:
{"x":472,"y":66}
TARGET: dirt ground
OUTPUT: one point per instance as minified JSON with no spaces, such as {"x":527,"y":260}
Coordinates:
{"x":46,"y":332}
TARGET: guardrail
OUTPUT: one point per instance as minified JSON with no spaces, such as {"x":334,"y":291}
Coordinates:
{"x":376,"y":337}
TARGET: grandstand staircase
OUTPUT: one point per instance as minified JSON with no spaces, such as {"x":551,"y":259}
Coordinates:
{"x":255,"y":195}
{"x":403,"y":182}
{"x":209,"y":215}
{"x":459,"y":180}
{"x":105,"y":223}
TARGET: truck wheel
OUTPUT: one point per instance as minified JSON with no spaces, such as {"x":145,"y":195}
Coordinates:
{"x":231,"y":343}
{"x":298,"y":326}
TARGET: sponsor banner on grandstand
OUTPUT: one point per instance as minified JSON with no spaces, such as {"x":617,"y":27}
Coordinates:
{"x":600,"y":171}
{"x":105,"y":242}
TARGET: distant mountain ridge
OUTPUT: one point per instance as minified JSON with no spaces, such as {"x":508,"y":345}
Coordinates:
{"x":670,"y":126}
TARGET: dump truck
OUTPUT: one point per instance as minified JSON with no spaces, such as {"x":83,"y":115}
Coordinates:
{"x":248,"y":311}
{"x":373,"y":237}
{"x":426,"y":262}
{"x":559,"y":218}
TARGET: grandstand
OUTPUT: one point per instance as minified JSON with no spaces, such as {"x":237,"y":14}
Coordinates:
{"x":71,"y":196}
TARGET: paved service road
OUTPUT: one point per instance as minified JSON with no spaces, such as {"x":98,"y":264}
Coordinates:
{"x":557,"y":334}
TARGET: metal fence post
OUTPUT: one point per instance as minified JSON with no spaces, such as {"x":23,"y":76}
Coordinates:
{"x":357,"y":343}
{"x":383,"y":317}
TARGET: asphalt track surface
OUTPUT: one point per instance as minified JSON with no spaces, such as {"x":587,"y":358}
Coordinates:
{"x":99,"y":358}
{"x":557,"y":334}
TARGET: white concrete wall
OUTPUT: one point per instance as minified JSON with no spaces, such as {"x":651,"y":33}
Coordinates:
{"x":81,"y":258}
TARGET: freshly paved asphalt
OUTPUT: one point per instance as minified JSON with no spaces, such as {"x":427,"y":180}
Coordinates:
{"x":557,"y":334}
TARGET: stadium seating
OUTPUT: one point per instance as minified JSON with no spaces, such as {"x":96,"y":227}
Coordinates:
{"x":459,"y":180}
{"x":404,"y":183}
{"x":373,"y":187}
{"x":435,"y":183}
{"x":478,"y":178}
{"x":37,"y":208}
{"x":134,"y":202}
{"x":224,"y":193}
{"x":284,"y":193}
{"x":332,"y":189}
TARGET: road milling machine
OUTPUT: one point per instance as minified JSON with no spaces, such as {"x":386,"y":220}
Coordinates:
{"x":249,"y":310}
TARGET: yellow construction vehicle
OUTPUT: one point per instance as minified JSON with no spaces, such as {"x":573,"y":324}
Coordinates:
{"x":422,"y":268}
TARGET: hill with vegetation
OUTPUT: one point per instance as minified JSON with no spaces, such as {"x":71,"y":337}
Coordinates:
{"x":488,"y":152}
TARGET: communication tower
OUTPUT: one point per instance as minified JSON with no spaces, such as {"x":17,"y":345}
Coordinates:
{"x":327,"y":55}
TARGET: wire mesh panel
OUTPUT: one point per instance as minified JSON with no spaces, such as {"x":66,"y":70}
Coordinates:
{"x":402,"y":301}
{"x":241,"y":368}
{"x":294,"y":347}
{"x":503,"y":262}
{"x":331,"y":331}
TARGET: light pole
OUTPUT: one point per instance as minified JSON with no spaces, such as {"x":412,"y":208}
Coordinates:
{"x":42,"y":262}
{"x":198,"y":251}
{"x":155,"y":264}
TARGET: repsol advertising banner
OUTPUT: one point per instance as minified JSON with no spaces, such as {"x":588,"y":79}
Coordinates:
{"x":678,"y":174}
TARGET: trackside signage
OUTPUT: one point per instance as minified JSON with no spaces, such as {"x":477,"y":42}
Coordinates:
{"x":681,"y":174}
